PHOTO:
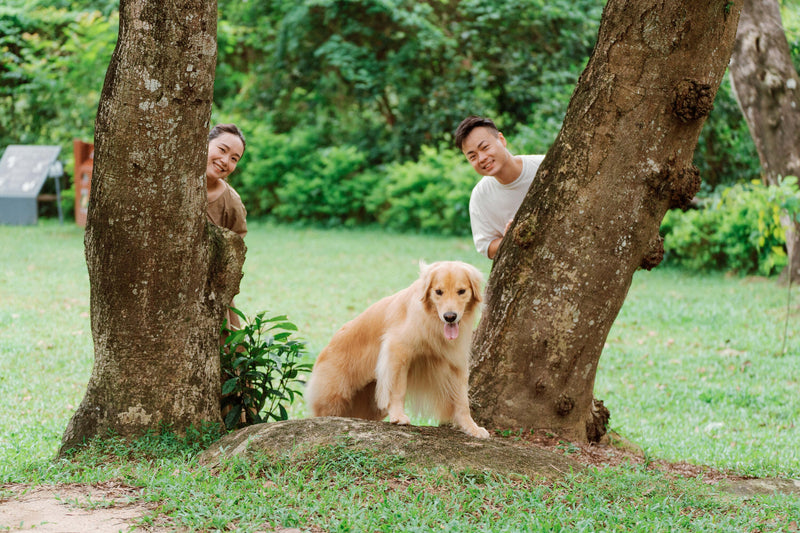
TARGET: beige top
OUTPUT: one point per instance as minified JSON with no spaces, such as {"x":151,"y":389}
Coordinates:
{"x":227,"y":211}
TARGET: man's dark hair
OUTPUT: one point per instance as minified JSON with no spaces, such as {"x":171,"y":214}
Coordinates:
{"x":219,"y":129}
{"x":469,"y":124}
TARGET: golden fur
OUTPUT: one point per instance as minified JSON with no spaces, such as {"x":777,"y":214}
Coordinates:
{"x":416,"y":341}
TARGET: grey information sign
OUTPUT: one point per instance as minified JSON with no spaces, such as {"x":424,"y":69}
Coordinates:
{"x":23,"y":171}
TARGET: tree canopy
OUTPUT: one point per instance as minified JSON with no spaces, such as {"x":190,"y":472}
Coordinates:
{"x":374,"y":81}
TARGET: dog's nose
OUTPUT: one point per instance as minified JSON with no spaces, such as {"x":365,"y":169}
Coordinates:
{"x":450,"y":316}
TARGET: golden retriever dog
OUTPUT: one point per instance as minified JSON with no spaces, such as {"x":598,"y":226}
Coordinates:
{"x":415,"y":342}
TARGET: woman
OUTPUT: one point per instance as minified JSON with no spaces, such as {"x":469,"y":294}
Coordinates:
{"x":225,"y":148}
{"x":225,"y":208}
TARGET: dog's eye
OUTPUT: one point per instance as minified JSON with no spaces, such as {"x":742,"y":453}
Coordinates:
{"x":439,"y":292}
{"x":462,"y":291}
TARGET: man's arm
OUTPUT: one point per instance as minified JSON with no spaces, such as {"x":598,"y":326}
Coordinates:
{"x":493,"y":246}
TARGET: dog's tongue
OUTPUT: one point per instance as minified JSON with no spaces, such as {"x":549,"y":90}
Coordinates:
{"x":450,"y":330}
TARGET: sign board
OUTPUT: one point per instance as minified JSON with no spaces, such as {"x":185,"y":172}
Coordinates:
{"x":23,"y":171}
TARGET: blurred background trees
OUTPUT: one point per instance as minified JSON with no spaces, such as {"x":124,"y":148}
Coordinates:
{"x":349,"y":105}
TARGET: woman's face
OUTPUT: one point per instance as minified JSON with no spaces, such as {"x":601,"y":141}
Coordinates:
{"x":223,"y":153}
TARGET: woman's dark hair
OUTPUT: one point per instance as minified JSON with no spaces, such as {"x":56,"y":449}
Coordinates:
{"x":469,"y":124}
{"x":219,"y":129}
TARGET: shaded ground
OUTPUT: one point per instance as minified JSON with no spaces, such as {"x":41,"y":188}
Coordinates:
{"x":112,"y":507}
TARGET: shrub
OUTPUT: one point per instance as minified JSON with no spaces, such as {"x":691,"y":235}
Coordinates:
{"x":268,"y":159}
{"x":260,"y":370}
{"x":738,"y":229}
{"x":726,"y":153}
{"x":427,"y":195}
{"x":295,"y":178}
{"x":330,"y":189}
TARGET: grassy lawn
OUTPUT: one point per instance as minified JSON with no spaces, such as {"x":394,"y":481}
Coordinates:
{"x":693,"y":370}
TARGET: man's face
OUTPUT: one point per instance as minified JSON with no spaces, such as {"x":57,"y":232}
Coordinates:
{"x":485,"y":149}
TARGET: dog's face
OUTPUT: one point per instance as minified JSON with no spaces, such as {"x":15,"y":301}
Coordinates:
{"x":452,"y":290}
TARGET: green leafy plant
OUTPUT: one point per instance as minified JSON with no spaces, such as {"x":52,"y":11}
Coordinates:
{"x":786,"y":197}
{"x":738,"y":230}
{"x":261,"y":370}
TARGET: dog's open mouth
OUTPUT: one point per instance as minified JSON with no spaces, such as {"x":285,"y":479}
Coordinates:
{"x":450,"y":330}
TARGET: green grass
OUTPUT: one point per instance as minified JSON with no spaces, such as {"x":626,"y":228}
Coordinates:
{"x":692,"y":371}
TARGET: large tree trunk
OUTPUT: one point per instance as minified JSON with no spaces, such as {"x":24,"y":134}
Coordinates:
{"x":160,"y":276}
{"x":591,"y":217}
{"x":767,"y":87}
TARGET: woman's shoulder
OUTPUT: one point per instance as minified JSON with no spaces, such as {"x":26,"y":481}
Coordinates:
{"x":232,"y":191}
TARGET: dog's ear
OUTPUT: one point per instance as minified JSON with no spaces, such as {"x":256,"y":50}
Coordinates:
{"x":426,"y":275}
{"x":475,"y":281}
{"x":423,"y":266}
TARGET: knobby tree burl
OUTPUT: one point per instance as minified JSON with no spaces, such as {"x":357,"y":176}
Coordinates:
{"x":591,"y":217}
{"x":160,"y":276}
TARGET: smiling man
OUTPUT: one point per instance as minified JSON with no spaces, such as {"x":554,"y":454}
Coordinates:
{"x":506,"y":180}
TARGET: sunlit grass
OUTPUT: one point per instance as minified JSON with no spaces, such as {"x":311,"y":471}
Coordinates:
{"x":694,"y":370}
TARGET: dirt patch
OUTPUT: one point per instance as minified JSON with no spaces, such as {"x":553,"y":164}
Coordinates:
{"x":537,"y":455}
{"x":68,"y":508}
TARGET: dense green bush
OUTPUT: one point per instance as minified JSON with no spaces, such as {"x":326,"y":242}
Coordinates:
{"x":332,"y":188}
{"x":354,"y":70}
{"x":268,"y":157}
{"x":427,"y":195}
{"x":737,"y":229}
{"x":287,"y":178}
{"x":334,"y":99}
{"x":291,"y":178}
{"x":51,"y":73}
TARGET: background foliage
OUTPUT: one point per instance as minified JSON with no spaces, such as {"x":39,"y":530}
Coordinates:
{"x":737,"y":230}
{"x":349,"y":105}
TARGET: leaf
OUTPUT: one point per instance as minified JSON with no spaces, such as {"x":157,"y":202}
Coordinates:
{"x":232,"y":418}
{"x":229,"y":386}
{"x":284,"y":325}
{"x":262,"y":368}
{"x":236,"y":337}
{"x":239,"y":313}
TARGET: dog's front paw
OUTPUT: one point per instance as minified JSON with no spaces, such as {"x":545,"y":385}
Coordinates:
{"x":478,"y":432}
{"x":400,"y":420}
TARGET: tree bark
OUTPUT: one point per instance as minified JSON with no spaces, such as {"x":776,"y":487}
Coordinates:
{"x":160,"y":275}
{"x":767,"y":87}
{"x":591,"y":217}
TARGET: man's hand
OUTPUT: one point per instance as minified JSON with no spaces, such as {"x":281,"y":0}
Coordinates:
{"x":495,"y":244}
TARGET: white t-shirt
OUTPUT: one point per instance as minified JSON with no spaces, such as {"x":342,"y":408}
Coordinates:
{"x":492,"y":204}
